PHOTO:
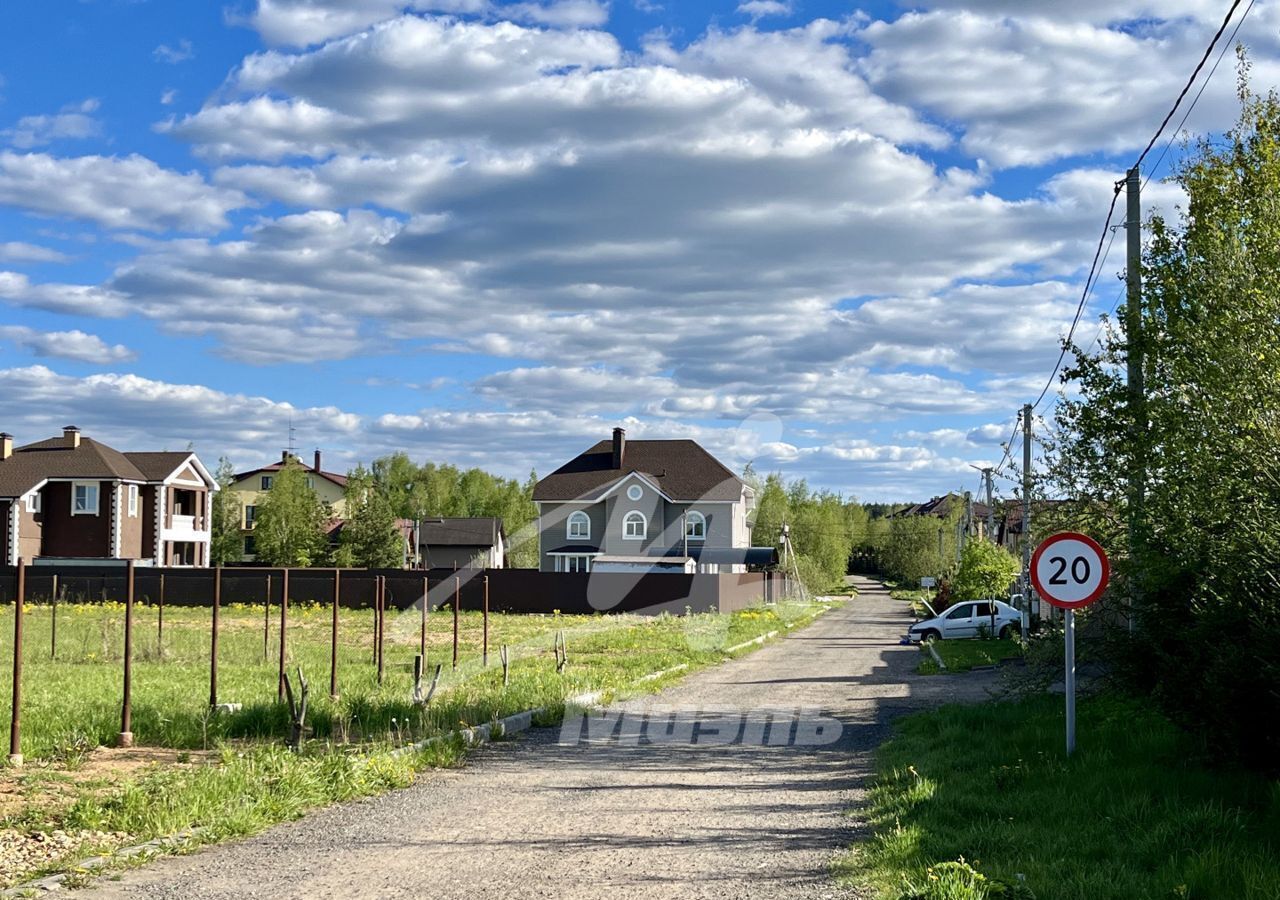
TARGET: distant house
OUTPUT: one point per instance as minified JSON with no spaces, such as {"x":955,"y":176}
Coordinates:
{"x":462,"y":542}
{"x":947,"y":505}
{"x":250,"y":485}
{"x":645,"y":506}
{"x":1009,"y":521}
{"x":72,"y":498}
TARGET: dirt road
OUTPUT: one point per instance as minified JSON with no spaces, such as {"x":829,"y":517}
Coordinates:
{"x":590,"y":811}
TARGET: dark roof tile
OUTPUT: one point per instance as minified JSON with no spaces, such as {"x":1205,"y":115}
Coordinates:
{"x":682,"y":469}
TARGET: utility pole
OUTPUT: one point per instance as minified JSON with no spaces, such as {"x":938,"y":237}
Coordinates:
{"x":1026,"y":521}
{"x":991,"y":509}
{"x":1137,"y":388}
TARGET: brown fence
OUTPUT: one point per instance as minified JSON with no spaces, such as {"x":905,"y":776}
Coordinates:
{"x":510,"y":590}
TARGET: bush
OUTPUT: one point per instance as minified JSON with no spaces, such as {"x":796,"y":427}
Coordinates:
{"x":986,"y":570}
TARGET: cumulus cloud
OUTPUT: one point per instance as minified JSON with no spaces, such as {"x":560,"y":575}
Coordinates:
{"x":115,"y":192}
{"x":20,"y":251}
{"x":74,"y":345}
{"x":759,"y":9}
{"x":74,"y":122}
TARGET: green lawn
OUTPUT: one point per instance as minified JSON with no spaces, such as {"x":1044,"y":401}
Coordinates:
{"x":1133,"y":814}
{"x":246,"y":781}
{"x":961,"y":656}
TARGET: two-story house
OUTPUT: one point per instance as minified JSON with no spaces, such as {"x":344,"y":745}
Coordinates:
{"x":250,"y":485}
{"x":73,"y":498}
{"x":645,"y":506}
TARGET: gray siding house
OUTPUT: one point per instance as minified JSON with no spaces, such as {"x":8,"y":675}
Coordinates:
{"x":623,"y":503}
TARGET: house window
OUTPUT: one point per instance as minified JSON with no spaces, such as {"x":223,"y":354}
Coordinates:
{"x":576,"y":563}
{"x":311,"y":483}
{"x":133,"y":501}
{"x":635,"y":526}
{"x":250,"y":546}
{"x":84,"y":499}
{"x":579,"y":526}
{"x":250,"y":514}
{"x":695,"y":526}
{"x":265,"y":482}
{"x":634,"y":492}
{"x":33,"y":502}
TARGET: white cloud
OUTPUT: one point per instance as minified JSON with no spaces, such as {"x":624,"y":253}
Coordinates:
{"x":759,"y":9}
{"x":74,"y":345}
{"x":19,"y":251}
{"x":182,"y":52}
{"x":74,"y":122}
{"x":168,"y":96}
{"x":115,"y":192}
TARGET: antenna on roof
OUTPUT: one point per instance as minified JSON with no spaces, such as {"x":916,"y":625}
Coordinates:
{"x":293,"y":439}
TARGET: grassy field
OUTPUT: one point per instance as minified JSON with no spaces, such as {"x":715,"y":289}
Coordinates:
{"x":961,"y":656}
{"x":1134,"y":814}
{"x":228,"y":774}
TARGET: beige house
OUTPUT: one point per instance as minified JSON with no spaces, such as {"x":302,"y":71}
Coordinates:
{"x":249,"y":487}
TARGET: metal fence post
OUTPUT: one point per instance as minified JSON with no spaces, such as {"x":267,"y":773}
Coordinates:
{"x":15,"y":722}
{"x":160,"y":620}
{"x":213,"y":641}
{"x":382,"y":624}
{"x":457,"y":599}
{"x":125,"y":738}
{"x":333,"y":641}
{"x":485,"y":646}
{"x":266,"y":623}
{"x":53,"y":633}
{"x":422,"y":630}
{"x":284,"y":619}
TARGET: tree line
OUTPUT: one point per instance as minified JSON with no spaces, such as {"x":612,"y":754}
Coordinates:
{"x":292,"y":525}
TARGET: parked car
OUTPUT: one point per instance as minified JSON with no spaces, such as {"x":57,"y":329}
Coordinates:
{"x":966,"y":620}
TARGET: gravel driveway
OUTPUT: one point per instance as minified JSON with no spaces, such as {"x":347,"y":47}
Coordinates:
{"x":613,"y":816}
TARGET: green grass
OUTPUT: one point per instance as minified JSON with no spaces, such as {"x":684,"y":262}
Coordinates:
{"x":961,"y":656}
{"x":1133,"y":814}
{"x":72,"y":704}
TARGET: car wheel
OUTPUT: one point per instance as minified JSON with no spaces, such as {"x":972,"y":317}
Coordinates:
{"x":1009,"y":631}
{"x":930,"y":635}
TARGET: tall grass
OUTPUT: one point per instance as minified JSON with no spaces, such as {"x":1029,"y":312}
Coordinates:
{"x":1135,"y":813}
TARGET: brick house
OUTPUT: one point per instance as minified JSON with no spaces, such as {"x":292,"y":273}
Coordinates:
{"x":73,"y":498}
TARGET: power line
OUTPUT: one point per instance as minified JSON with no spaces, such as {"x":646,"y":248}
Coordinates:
{"x":1182,"y":95}
{"x":1208,"y":78}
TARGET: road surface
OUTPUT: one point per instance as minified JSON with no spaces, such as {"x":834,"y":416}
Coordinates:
{"x":599,"y":815}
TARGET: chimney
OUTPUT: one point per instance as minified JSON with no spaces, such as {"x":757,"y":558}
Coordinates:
{"x":6,"y":445}
{"x":284,"y":456}
{"x":317,"y":461}
{"x":619,"y":447}
{"x":71,"y":436}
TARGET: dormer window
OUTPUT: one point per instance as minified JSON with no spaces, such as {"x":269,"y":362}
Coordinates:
{"x":635,"y":526}
{"x":635,"y":492}
{"x":695,"y":526}
{"x":579,"y":526}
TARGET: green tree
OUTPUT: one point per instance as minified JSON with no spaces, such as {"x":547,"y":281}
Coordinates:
{"x":1208,"y":599}
{"x":225,"y":544}
{"x":985,"y":572}
{"x":289,"y":529}
{"x":370,"y":536}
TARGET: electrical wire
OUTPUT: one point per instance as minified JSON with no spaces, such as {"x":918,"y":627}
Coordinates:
{"x":1208,"y":78}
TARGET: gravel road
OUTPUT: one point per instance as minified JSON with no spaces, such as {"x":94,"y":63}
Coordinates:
{"x":681,"y":814}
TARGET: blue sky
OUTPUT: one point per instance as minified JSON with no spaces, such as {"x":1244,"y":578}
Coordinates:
{"x":838,"y":240}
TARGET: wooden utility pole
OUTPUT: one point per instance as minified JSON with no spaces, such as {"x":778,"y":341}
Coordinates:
{"x":1026,"y":521}
{"x":991,"y":505}
{"x":1137,"y":388}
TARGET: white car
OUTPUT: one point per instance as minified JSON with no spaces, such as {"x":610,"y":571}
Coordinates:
{"x":966,"y":619}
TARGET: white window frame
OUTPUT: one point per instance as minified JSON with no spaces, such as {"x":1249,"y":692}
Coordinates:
{"x":311,"y":483}
{"x":628,"y":519}
{"x":250,"y":515}
{"x":635,"y":492}
{"x":693,"y":519}
{"x":579,"y":563}
{"x":577,"y":517}
{"x":33,"y":502}
{"x":265,"y":482}
{"x":97,"y":498}
{"x":133,"y":501}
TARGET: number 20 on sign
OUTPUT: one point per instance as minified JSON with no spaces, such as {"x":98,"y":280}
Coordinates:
{"x":1070,"y":571}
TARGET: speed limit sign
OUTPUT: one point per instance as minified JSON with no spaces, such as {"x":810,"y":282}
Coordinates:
{"x":1070,"y":570}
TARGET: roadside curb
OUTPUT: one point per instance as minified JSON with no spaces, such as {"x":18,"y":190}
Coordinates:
{"x":92,"y":864}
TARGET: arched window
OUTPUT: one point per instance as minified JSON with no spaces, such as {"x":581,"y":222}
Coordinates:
{"x":635,"y":526}
{"x":695,"y":526}
{"x":579,"y":526}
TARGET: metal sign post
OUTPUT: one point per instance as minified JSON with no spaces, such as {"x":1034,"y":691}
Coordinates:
{"x":1070,"y":571}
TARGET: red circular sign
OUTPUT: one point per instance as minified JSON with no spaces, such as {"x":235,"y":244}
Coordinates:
{"x":1070,"y":570}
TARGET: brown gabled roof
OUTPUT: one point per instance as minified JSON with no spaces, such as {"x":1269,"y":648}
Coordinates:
{"x":55,"y":458}
{"x":942,"y":507}
{"x":158,"y":466}
{"x":682,"y":469}
{"x":339,"y":480}
{"x":480,"y":531}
